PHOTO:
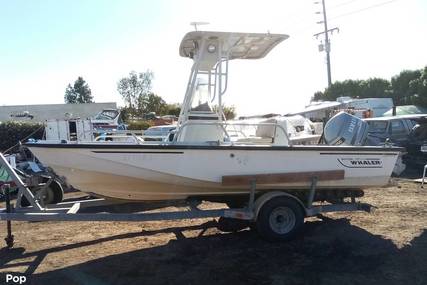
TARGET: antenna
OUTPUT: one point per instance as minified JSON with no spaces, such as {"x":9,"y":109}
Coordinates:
{"x":195,"y":24}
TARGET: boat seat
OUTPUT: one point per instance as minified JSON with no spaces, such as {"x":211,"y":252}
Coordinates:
{"x":201,"y":134}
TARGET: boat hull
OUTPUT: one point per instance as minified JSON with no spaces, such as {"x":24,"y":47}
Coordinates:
{"x":167,"y":172}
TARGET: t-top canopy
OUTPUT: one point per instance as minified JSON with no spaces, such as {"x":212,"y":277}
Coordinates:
{"x":236,"y":45}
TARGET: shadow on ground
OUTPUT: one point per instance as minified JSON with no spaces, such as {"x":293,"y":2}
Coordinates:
{"x":331,"y":251}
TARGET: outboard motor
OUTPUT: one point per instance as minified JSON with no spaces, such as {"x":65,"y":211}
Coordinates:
{"x":345,"y":129}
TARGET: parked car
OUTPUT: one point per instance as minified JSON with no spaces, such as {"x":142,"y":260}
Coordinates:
{"x":394,"y":129}
{"x":408,"y":131}
{"x":416,"y":139}
{"x":158,"y":133}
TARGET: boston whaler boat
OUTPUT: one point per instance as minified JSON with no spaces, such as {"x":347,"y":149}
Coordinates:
{"x":200,"y":160}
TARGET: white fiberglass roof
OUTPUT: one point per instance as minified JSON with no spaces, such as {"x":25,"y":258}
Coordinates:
{"x":236,"y":45}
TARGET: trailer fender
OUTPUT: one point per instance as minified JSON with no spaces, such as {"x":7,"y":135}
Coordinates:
{"x":270,"y":195}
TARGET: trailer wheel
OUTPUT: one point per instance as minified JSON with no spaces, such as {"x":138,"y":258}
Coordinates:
{"x":280,"y":219}
{"x":54,"y":195}
{"x":58,"y":192}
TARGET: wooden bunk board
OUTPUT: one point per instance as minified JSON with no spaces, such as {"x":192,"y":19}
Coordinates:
{"x":274,"y":178}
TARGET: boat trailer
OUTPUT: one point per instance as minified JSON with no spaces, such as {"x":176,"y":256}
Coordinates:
{"x":278,"y":215}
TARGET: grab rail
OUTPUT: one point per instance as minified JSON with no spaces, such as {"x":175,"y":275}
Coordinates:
{"x":113,"y":136}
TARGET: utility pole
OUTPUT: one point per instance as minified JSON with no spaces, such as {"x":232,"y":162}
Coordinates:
{"x":327,"y":46}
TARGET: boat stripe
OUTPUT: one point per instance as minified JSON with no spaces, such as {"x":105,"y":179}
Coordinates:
{"x":177,"y":147}
{"x":151,"y":152}
{"x":357,"y":153}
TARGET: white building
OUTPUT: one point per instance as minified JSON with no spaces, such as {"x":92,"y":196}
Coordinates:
{"x":41,"y":113}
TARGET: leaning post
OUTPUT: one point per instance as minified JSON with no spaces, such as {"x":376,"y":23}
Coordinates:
{"x":9,"y":238}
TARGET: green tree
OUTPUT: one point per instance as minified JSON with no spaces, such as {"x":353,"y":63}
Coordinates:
{"x":403,"y":91}
{"x":78,"y":93}
{"x":229,"y":111}
{"x":409,"y":87}
{"x":135,"y":89}
{"x":172,"y":109}
{"x":318,"y":96}
{"x":418,"y":89}
{"x":370,"y":88}
{"x":350,"y":88}
{"x":421,"y":83}
{"x":152,"y":103}
{"x":375,"y":88}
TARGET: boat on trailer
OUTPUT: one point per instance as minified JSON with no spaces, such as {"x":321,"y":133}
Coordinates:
{"x":199,"y":159}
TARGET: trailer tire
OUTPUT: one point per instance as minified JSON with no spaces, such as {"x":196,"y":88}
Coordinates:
{"x":58,"y":192}
{"x":55,"y":195}
{"x":280,"y":219}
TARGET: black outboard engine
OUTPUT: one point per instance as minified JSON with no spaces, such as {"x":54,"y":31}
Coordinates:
{"x":345,"y":129}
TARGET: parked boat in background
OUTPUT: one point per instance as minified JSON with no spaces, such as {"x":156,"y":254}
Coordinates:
{"x":301,"y":131}
{"x":84,"y":129}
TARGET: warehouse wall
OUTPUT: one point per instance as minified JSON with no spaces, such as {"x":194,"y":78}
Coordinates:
{"x":42,"y":113}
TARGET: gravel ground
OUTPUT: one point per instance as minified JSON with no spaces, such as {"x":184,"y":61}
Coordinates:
{"x":387,"y":246}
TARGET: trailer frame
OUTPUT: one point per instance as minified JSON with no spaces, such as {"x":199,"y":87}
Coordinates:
{"x":69,"y":211}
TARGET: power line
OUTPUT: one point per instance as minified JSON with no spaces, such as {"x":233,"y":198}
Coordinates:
{"x":363,"y":9}
{"x":305,"y":27}
{"x":297,"y":32}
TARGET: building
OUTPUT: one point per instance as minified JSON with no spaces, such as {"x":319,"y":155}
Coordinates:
{"x":41,"y":113}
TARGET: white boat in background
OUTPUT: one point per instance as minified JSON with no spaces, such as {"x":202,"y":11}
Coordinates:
{"x":300,"y":130}
{"x":202,"y":158}
{"x":86,"y":129}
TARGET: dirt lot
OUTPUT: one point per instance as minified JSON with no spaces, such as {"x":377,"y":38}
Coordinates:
{"x":388,"y":246}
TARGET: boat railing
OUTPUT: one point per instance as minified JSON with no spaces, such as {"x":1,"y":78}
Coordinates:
{"x":115,"y":137}
{"x":121,"y":132}
{"x":224,"y":125}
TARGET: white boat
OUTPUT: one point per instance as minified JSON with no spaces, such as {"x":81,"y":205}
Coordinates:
{"x":300,"y":130}
{"x":201,"y":159}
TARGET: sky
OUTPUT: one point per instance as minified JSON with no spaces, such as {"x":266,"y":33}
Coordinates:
{"x":47,"y":44}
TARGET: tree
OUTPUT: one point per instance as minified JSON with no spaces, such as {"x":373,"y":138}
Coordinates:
{"x":375,"y":88}
{"x":419,"y":86}
{"x":403,"y":94}
{"x":418,"y":89}
{"x":152,"y":103}
{"x":318,"y":96}
{"x":135,"y":89}
{"x":351,"y":88}
{"x":370,"y":88}
{"x":78,"y":93}
{"x":172,"y":109}
{"x":229,"y":112}
{"x":409,"y":87}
